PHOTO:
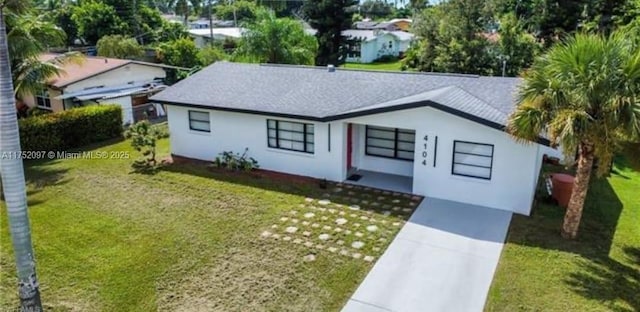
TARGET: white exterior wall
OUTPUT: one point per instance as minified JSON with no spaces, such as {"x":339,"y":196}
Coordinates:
{"x":127,"y":108}
{"x":514,"y":172}
{"x":515,"y":166}
{"x":119,"y":76}
{"x":374,"y":49}
{"x":235,"y":132}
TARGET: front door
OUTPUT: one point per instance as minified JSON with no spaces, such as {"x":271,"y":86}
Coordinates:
{"x":349,"y":146}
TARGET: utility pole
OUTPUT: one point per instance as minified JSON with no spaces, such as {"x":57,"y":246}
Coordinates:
{"x":210,"y":24}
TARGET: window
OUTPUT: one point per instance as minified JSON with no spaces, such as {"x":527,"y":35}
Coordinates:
{"x":390,"y":142}
{"x":293,"y":136}
{"x":472,"y":159}
{"x":390,"y":44}
{"x":199,"y":121}
{"x":43,"y":100}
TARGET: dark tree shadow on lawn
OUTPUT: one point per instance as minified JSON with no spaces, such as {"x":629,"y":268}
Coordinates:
{"x":39,"y":175}
{"x":610,"y":281}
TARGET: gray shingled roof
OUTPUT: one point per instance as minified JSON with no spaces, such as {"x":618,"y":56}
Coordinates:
{"x":314,"y":93}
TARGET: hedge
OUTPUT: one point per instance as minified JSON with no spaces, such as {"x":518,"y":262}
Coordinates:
{"x":71,"y":129}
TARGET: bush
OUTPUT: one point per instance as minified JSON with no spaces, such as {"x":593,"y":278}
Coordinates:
{"x":231,"y":161}
{"x":143,"y":137}
{"x":70,"y":129}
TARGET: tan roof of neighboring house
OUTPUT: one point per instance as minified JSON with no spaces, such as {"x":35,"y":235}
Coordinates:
{"x":90,"y":67}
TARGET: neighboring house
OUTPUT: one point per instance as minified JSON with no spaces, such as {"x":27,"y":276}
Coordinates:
{"x":202,"y":37}
{"x":403,"y":24}
{"x":437,"y":135}
{"x":199,"y":24}
{"x":366,"y":46}
{"x":104,"y":80}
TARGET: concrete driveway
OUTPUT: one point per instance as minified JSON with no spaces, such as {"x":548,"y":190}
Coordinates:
{"x":443,"y":259}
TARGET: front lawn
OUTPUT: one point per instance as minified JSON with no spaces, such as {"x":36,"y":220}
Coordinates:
{"x":387,"y":66}
{"x":191,"y":238}
{"x":600,"y":271}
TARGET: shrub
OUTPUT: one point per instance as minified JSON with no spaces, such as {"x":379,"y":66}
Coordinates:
{"x":70,"y":129}
{"x":143,"y":139}
{"x":235,"y":161}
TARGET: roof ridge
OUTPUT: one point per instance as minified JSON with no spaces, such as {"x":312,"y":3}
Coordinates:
{"x":371,"y":70}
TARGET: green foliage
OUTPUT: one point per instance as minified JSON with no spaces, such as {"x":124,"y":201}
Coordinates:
{"x":235,"y":161}
{"x":330,"y":18}
{"x":70,"y":129}
{"x":170,"y":31}
{"x":583,"y":92}
{"x":277,"y":40}
{"x":96,"y":20}
{"x":61,"y":17}
{"x":181,"y":52}
{"x":144,"y":137}
{"x":376,"y":9}
{"x":211,"y":54}
{"x":245,"y":11}
{"x":119,"y":46}
{"x":149,"y":21}
{"x":516,"y":46}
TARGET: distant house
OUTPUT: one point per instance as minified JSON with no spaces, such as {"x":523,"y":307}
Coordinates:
{"x":436,"y":135}
{"x":366,"y":46}
{"x":104,"y":80}
{"x":403,"y":24}
{"x":202,"y":37}
{"x":199,"y":24}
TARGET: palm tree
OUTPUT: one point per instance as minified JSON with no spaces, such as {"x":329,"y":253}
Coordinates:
{"x":584,"y":94}
{"x":277,"y":40}
{"x":12,"y":171}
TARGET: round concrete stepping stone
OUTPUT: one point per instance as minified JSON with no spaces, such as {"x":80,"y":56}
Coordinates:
{"x":348,"y":186}
{"x":322,"y":209}
{"x":407,"y":210}
{"x":337,"y":190}
{"x":305,"y":223}
{"x":308,"y":244}
{"x":306,"y":233}
{"x":354,"y":207}
{"x":386,"y":213}
{"x":383,"y":221}
{"x":309,"y":258}
{"x":358,"y":234}
{"x":265,"y":234}
{"x":337,"y":230}
{"x":340,"y":242}
{"x":276,"y":236}
{"x":357,"y":244}
{"x":308,"y":200}
{"x":365,"y":202}
{"x":341,"y":221}
{"x":377,"y":191}
{"x":331,"y":210}
{"x":395,"y":201}
{"x":364,"y":218}
{"x":381,"y":198}
{"x":386,"y":206}
{"x":406,"y":195}
{"x":416,"y":198}
{"x":286,"y":238}
{"x":382,"y":239}
{"x":356,"y":224}
{"x":368,"y":258}
{"x":353,"y":215}
{"x":309,"y":215}
{"x":301,"y":206}
{"x":274,"y":226}
{"x":357,"y":255}
{"x":320,"y":247}
{"x":396,"y":223}
{"x":291,"y":229}
{"x":375,"y":249}
{"x":293,"y":212}
{"x":332,"y":249}
{"x":396,"y":208}
{"x":324,"y":236}
{"x":324,"y":218}
{"x":315,"y":225}
{"x":294,"y":220}
{"x":372,"y":228}
{"x":347,"y":232}
{"x":297,"y":241}
{"x":326,"y":228}
{"x":324,"y":202}
{"x":351,"y":193}
{"x":341,"y":213}
{"x":375,"y":204}
{"x":344,"y":252}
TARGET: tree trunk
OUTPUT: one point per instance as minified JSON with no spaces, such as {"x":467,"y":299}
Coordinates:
{"x":13,"y":181}
{"x":579,"y":192}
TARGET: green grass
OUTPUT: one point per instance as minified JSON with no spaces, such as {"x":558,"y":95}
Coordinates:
{"x":189,"y":237}
{"x":600,"y":271}
{"x":389,"y":66}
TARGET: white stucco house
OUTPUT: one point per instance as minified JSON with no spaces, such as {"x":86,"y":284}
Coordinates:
{"x":100,"y":80}
{"x":366,"y":46}
{"x":437,"y":135}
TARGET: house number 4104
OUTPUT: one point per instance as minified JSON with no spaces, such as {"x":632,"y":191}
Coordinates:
{"x":424,"y":151}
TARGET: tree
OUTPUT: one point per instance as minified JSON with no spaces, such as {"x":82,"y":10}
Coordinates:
{"x":375,"y":9}
{"x":238,"y":11}
{"x":277,"y":40}
{"x":96,"y":20}
{"x":182,"y":52}
{"x":211,"y":54}
{"x":11,"y":168}
{"x":61,"y":17}
{"x":143,"y":137}
{"x":584,"y":94}
{"x":119,"y":47}
{"x":170,"y":31}
{"x":329,"y":18}
{"x":517,"y":48}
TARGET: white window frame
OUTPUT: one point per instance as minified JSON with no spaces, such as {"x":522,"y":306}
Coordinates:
{"x":43,"y":96}
{"x":200,"y":120}
{"x":458,"y":163}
